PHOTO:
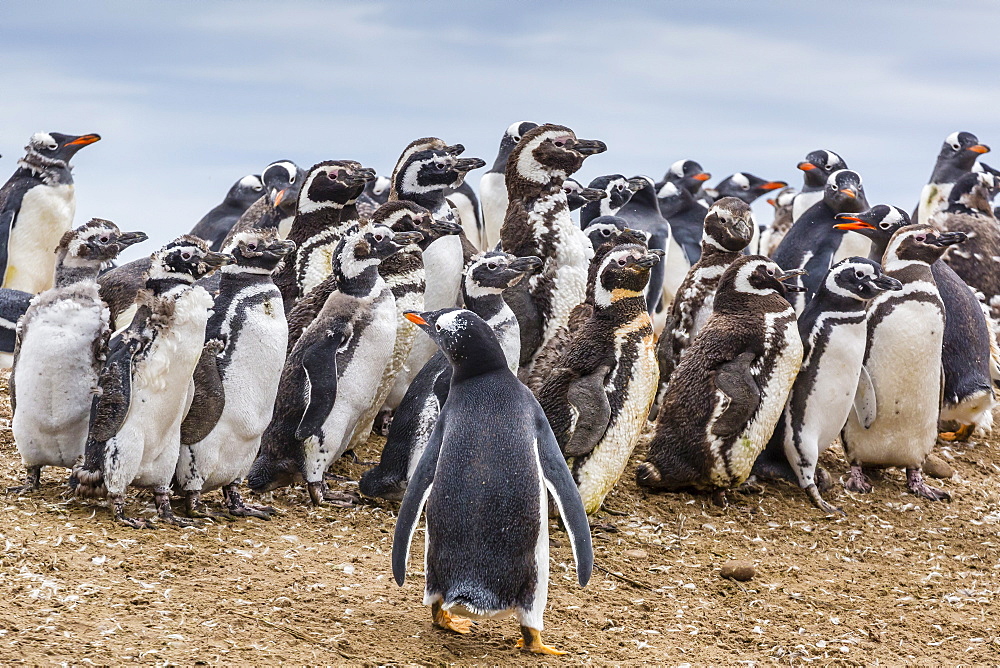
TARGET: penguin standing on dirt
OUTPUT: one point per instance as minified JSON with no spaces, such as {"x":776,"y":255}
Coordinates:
{"x":727,"y":393}
{"x":727,"y":231}
{"x":135,"y":423}
{"x":61,"y":344}
{"x":37,"y":205}
{"x":957,"y":156}
{"x":832,"y":380}
{"x":816,"y":168}
{"x":220,"y":435}
{"x":597,"y":397}
{"x":333,"y":371}
{"x":493,"y":185}
{"x":483,"y":482}
{"x":482,"y":290}
{"x":215,"y":225}
{"x":903,"y":360}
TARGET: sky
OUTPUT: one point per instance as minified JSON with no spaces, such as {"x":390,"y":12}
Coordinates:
{"x":191,"y":96}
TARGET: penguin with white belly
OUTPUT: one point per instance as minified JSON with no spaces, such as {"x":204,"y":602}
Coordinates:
{"x":727,"y":393}
{"x":957,"y":157}
{"x":61,"y":344}
{"x":903,"y":359}
{"x":816,"y":168}
{"x":135,"y":422}
{"x":482,"y":482}
{"x":493,"y":187}
{"x":220,"y":440}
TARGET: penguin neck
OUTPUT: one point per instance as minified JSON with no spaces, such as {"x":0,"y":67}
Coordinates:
{"x":624,"y":306}
{"x":827,"y":300}
{"x":161,"y":286}
{"x":433,"y":200}
{"x":469,"y":362}
{"x":878,"y":248}
{"x":235,"y":277}
{"x":349,"y":214}
{"x":72,"y":270}
{"x":52,"y":172}
{"x":367,"y":283}
{"x":307,"y":225}
{"x":487,"y":305}
{"x":712,"y":252}
{"x":590,"y":211}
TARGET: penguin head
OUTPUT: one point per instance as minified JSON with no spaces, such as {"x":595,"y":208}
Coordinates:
{"x":752,"y":276}
{"x":844,"y":192}
{"x":282,"y":180}
{"x":494,"y":271}
{"x":859,"y":279}
{"x":920,"y":243}
{"x":434,"y":169}
{"x":878,"y":223}
{"x":378,"y":189}
{"x":509,"y":140}
{"x":185,"y":260}
{"x":624,"y":273}
{"x":246,"y":191}
{"x":258,"y":251}
{"x":607,"y":229}
{"x":406,"y":216}
{"x":818,"y":166}
{"x":368,"y":246}
{"x":95,"y":243}
{"x":686,"y":174}
{"x":467,"y":340}
{"x":972,"y":193}
{"x":332,"y":184}
{"x":548,"y":154}
{"x":783,"y":200}
{"x":618,"y":190}
{"x":960,"y":150}
{"x":57,"y":147}
{"x":746,"y":186}
{"x":728,"y":225}
{"x":577,"y":196}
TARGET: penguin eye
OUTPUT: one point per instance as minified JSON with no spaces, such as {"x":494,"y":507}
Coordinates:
{"x":185,"y":256}
{"x":957,"y":147}
{"x":619,"y":187}
{"x":921,"y":237}
{"x":492,"y":266}
{"x":746,"y":187}
{"x":606,"y":233}
{"x":52,"y":147}
{"x":104,"y":238}
{"x":439,"y":165}
{"x":860,"y":274}
{"x":291,"y":180}
{"x":379,"y":237}
{"x":770,"y":272}
{"x":517,"y":138}
{"x":884,"y":226}
{"x":829,"y":168}
{"x":252,"y":247}
{"x":832,"y":186}
{"x":257,"y":189}
{"x":622,"y":262}
{"x":437,"y":327}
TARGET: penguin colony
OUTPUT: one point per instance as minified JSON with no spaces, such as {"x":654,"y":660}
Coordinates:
{"x":513,"y":356}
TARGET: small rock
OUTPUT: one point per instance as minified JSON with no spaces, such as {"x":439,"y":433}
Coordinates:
{"x":743,"y":571}
{"x":553,"y":543}
{"x":636,"y":554}
{"x":936,"y":467}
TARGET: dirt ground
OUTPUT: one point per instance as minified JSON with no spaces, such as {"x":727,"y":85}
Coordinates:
{"x":900,"y":580}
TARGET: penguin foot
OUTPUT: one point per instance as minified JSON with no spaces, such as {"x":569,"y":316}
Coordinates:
{"x":382,"y":422}
{"x":320,"y":494}
{"x":821,"y":503}
{"x":751,"y":486}
{"x":333,"y":476}
{"x":531,"y":640}
{"x":824,"y":481}
{"x":32,"y":482}
{"x":118,"y":508}
{"x":239,"y":508}
{"x":719,"y":498}
{"x":915,"y":483}
{"x":161,"y":498}
{"x":961,"y":434}
{"x":450,"y":622}
{"x":196,"y":509}
{"x":857,"y":481}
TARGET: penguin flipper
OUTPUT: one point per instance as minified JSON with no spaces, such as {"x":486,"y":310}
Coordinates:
{"x":321,"y":379}
{"x":111,"y":405}
{"x":417,"y":491}
{"x":6,"y":227}
{"x":864,"y":400}
{"x":587,"y":395}
{"x":733,"y":378}
{"x":563,"y":489}
{"x":209,"y":396}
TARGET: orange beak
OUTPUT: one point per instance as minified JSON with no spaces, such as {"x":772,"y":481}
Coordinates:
{"x":772,"y":202}
{"x":858,"y":224}
{"x":773,"y":185}
{"x":414,"y":318}
{"x":980,"y":148}
{"x":849,"y":193}
{"x":806,"y":166}
{"x":704,"y":176}
{"x":280,"y":196}
{"x":90,"y":139}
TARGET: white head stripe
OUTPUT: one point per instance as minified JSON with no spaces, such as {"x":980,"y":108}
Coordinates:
{"x":952,"y":138}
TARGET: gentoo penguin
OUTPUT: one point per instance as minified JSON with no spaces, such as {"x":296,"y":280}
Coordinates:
{"x":145,"y":385}
{"x":728,"y":391}
{"x":13,"y":304}
{"x":832,"y":380}
{"x":482,"y":290}
{"x":957,"y":156}
{"x":466,"y":205}
{"x":642,"y":212}
{"x":376,"y":193}
{"x":816,"y":171}
{"x":215,"y":225}
{"x":969,"y":210}
{"x":771,"y":237}
{"x":727,"y":231}
{"x":37,"y":205}
{"x":61,"y":343}
{"x":969,"y":358}
{"x":745,"y":186}
{"x":538,"y":223}
{"x":686,"y":174}
{"x":333,"y":371}
{"x":578,"y":196}
{"x":283,"y":176}
{"x":219,"y":442}
{"x":618,"y":191}
{"x":484,"y":482}
{"x":597,"y":396}
{"x":903,"y":360}
{"x":685,"y":215}
{"x":493,"y":187}
{"x":813,"y":241}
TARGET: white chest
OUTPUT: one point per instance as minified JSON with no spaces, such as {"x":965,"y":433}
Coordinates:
{"x":46,"y":214}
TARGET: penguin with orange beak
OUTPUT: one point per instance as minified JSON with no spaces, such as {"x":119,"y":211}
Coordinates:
{"x":816,"y":169}
{"x":957,"y":157}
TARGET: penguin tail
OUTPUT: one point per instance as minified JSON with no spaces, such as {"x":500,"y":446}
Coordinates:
{"x":648,"y":475}
{"x":87,"y":482}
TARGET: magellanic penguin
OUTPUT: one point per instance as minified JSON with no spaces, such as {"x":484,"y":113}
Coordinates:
{"x":145,"y":385}
{"x":579,"y":196}
{"x":903,"y":360}
{"x":597,"y":397}
{"x":465,"y":204}
{"x":816,"y":168}
{"x":812,"y":242}
{"x":285,"y":177}
{"x":375,"y":194}
{"x":957,"y":156}
{"x":832,"y":380}
{"x":484,"y":482}
{"x":61,"y":344}
{"x":618,"y":191}
{"x":771,"y":237}
{"x":235,"y":390}
{"x":215,"y":225}
{"x":727,"y":393}
{"x":727,"y":231}
{"x":37,"y":205}
{"x":482,"y":290}
{"x":493,"y":185}
{"x":969,"y":356}
{"x":333,"y":371}
{"x":538,"y":223}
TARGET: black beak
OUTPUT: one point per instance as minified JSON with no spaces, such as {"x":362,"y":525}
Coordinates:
{"x":129,"y":238}
{"x":884,"y":283}
{"x":281,"y":248}
{"x":649,"y":259}
{"x":445,"y":227}
{"x":469,"y":164}
{"x":216,"y":260}
{"x":592,"y":194}
{"x":454,"y":149}
{"x":785,"y":275}
{"x":528,"y":263}
{"x":405,"y":238}
{"x":635,"y":184}
{"x":589,"y":146}
{"x":946,"y":239}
